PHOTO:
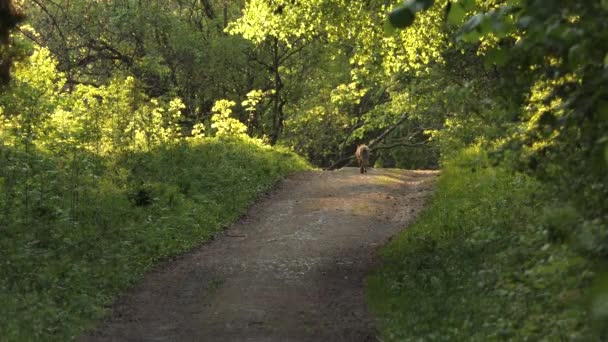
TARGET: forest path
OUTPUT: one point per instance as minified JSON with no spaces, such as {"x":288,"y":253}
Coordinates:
{"x":292,"y":269}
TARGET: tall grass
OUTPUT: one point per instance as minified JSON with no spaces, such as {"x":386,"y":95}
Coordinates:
{"x":482,"y":263}
{"x":59,"y":270}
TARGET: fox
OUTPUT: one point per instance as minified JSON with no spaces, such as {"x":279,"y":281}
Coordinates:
{"x":362,"y":157}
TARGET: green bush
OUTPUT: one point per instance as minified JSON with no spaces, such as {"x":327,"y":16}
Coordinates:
{"x":61,"y":268}
{"x":485,"y":261}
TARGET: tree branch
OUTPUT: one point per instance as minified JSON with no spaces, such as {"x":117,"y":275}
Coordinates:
{"x":53,"y":20}
{"x":100,"y":46}
{"x":30,"y":37}
{"x":388,"y":131}
{"x":400,"y":144}
{"x":208,"y":9}
{"x":344,"y":161}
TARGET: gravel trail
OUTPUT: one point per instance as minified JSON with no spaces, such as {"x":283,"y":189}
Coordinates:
{"x":292,"y":269}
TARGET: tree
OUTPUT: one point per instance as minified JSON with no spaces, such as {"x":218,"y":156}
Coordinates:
{"x":10,"y":16}
{"x":171,"y":47}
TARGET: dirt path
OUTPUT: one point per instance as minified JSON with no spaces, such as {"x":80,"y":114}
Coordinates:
{"x":291,"y":270}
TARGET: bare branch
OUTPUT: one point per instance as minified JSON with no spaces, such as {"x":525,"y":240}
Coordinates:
{"x":388,"y":131}
{"x":344,"y":161}
{"x":53,"y":20}
{"x":399,"y":144}
{"x":31,"y":37}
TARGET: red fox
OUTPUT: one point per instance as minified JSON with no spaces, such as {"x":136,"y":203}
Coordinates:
{"x":363,"y":157}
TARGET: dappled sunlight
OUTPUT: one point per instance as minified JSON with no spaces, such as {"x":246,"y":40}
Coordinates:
{"x":302,"y":252}
{"x":132,"y":132}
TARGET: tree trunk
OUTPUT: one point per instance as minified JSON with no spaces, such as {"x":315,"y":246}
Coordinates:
{"x":8,"y":21}
{"x":278,"y":103}
{"x":225,"y":14}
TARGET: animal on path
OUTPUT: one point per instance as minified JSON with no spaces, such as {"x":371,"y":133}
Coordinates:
{"x":362,"y":157}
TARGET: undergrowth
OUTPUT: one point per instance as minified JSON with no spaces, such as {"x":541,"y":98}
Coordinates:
{"x":58,"y":271}
{"x":485,"y":261}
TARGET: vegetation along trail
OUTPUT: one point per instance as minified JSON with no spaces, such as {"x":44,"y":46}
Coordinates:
{"x":291,"y":270}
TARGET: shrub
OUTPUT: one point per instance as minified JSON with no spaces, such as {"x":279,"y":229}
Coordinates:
{"x":484,"y":261}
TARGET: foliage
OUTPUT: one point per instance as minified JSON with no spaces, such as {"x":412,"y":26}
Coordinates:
{"x":223,"y":123}
{"x":483,"y":264}
{"x":289,"y":52}
{"x":97,"y":184}
{"x":172,"y":47}
{"x":525,"y":81}
{"x":542,"y":110}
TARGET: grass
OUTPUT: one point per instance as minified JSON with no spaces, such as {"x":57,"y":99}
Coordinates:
{"x":59,"y":274}
{"x":485,"y":261}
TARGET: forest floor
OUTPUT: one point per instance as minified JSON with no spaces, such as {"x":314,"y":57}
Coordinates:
{"x":292,"y":269}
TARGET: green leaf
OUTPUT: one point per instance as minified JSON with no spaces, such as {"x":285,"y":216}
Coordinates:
{"x":401,"y":17}
{"x":473,"y":23}
{"x":525,"y":22}
{"x":602,"y":111}
{"x":606,"y":61}
{"x":467,"y":5}
{"x":472,"y":29}
{"x":456,"y":14}
{"x":576,"y":55}
{"x":599,"y":156}
{"x":497,"y":56}
{"x":502,"y":27}
{"x":389,"y":29}
{"x":487,"y":25}
{"x":470,"y":37}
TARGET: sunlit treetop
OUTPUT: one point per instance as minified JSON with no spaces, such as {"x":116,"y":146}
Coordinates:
{"x":354,"y":28}
{"x":285,"y":20}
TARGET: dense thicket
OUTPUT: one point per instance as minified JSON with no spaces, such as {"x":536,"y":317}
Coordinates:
{"x":102,"y":172}
{"x":533,"y":79}
{"x":287,"y":73}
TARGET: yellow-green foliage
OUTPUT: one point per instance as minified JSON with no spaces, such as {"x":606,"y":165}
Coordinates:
{"x":97,"y":184}
{"x":61,"y":265}
{"x":484,"y":262}
{"x":101,"y":120}
{"x":224,"y":125}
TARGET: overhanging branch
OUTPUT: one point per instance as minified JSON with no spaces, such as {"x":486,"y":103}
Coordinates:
{"x":344,"y":161}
